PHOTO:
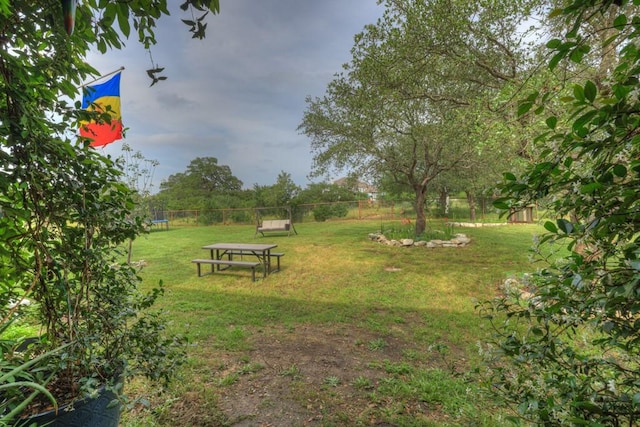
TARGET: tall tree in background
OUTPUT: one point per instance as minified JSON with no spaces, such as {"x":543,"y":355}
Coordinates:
{"x":568,"y":354}
{"x":205,"y":174}
{"x":280,"y":197}
{"x":281,"y":194}
{"x":199,"y":186}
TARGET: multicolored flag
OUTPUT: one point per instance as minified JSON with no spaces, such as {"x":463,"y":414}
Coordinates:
{"x":104,"y":97}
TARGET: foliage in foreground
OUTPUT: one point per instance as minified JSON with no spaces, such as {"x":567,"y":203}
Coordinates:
{"x":65,"y":210}
{"x":572,"y":344}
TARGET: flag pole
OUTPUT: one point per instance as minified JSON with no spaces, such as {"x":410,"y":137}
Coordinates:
{"x":103,"y":76}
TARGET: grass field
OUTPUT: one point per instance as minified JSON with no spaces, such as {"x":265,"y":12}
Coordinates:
{"x":349,"y":332}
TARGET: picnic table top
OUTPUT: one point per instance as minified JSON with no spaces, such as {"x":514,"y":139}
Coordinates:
{"x":241,"y":246}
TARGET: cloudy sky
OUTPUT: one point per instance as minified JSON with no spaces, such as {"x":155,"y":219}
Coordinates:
{"x":239,"y":94}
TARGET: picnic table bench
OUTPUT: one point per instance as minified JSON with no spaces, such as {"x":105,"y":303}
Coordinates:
{"x":276,"y":255}
{"x":269,"y":225}
{"x":228,"y":263}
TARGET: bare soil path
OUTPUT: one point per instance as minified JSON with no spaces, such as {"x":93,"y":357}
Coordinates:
{"x":309,"y":376}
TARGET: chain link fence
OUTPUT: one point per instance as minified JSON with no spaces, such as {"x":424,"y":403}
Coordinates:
{"x":384,"y":210}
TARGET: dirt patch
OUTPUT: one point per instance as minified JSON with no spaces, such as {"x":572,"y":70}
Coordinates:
{"x":313,"y":375}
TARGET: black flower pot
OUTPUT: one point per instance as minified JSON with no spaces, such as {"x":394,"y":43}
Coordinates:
{"x":101,"y":411}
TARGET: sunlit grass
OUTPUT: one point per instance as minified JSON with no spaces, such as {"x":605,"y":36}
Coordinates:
{"x":332,"y":273}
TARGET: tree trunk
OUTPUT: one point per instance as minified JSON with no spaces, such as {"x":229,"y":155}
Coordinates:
{"x":444,"y":201}
{"x":471,"y":200}
{"x":421,"y":218}
{"x":129,"y":251}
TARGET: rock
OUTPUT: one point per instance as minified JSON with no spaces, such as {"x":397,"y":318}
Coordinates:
{"x":407,"y":242}
{"x":461,"y":240}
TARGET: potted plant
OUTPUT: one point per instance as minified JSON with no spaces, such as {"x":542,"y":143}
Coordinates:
{"x":87,"y":297}
{"x":18,"y":386}
{"x":63,"y":252}
{"x":65,"y":212}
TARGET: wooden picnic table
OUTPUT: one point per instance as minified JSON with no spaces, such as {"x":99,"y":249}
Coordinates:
{"x":218,"y":251}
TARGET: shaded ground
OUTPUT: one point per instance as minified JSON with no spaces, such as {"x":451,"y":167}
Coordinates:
{"x":312,"y":376}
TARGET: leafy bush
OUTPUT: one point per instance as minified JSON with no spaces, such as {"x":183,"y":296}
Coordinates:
{"x":324,"y":212}
{"x":568,"y":355}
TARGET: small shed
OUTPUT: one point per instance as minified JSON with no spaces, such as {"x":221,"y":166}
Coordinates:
{"x":521,"y":215}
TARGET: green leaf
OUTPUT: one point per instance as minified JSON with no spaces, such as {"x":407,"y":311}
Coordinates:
{"x":568,"y":162}
{"x":620,"y":171}
{"x":524,"y":107}
{"x":590,"y":187}
{"x":533,"y":96}
{"x":554,"y":43}
{"x":550,"y":226}
{"x":620,"y":90}
{"x":552,"y":122}
{"x":583,"y":120}
{"x":578,"y":93}
{"x":556,"y":12}
{"x":610,"y":40}
{"x":576,"y":55}
{"x":123,"y":19}
{"x":536,"y":330}
{"x":109,"y":15}
{"x":501,"y":203}
{"x":620,"y":22}
{"x":565,"y":226}
{"x":606,"y":178}
{"x":553,"y":63}
{"x":636,"y":400}
{"x":590,"y":91}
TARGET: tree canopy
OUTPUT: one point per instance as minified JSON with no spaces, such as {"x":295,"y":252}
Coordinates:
{"x":195,"y":188}
{"x":568,"y":352}
{"x":403,"y":107}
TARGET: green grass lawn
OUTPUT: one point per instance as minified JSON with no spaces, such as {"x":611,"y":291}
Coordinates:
{"x":408,"y":313}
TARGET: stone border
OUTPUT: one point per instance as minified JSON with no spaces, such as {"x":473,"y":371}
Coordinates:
{"x":477,"y":224}
{"x":460,"y":240}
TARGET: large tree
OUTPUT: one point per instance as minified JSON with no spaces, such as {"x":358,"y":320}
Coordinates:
{"x":396,"y":110}
{"x":279,"y":194}
{"x":199,"y":186}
